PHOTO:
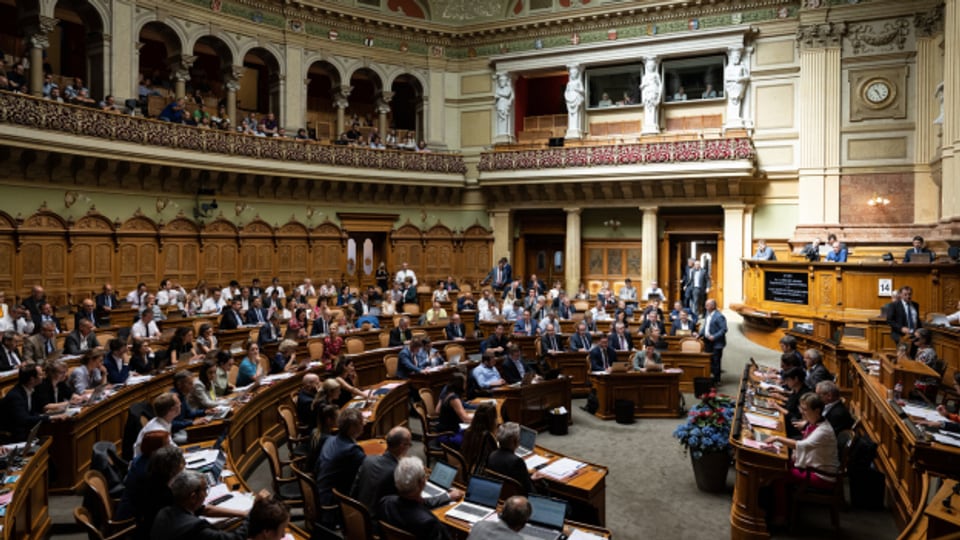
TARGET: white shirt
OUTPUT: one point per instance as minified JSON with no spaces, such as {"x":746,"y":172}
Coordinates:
{"x":483,"y":304}
{"x":228,"y":294}
{"x":489,"y":314}
{"x":955,"y":318}
{"x":404,"y":274}
{"x":818,"y":450}
{"x":24,"y":326}
{"x":510,"y":313}
{"x":210,"y":305}
{"x":279,"y":290}
{"x":141,"y":330}
{"x":14,"y":357}
{"x":155,"y":424}
{"x":304,"y":290}
{"x":628,"y":294}
{"x":171,"y":297}
{"x":599,"y":314}
{"x":135,"y":298}
{"x":658,"y":292}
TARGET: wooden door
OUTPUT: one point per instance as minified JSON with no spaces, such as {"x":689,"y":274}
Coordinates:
{"x":544,"y":256}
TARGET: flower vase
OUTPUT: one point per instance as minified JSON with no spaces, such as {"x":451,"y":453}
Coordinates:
{"x":710,"y":471}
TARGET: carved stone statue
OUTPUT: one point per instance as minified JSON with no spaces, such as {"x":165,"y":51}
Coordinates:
{"x":736,"y":76}
{"x":938,"y":95}
{"x":504,"y":102}
{"x":651,"y":93}
{"x":573,"y":95}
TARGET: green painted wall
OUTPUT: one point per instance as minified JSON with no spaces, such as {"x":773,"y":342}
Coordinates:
{"x":631,"y":223}
{"x":774,"y":220}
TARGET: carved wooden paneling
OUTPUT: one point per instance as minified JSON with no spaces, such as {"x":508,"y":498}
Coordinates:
{"x":8,"y":260}
{"x":92,"y":263}
{"x":609,"y":259}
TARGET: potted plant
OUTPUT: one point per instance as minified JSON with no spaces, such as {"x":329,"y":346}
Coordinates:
{"x":706,"y":436}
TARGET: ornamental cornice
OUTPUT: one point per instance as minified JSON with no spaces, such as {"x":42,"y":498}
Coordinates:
{"x":821,"y":35}
{"x":929,"y":23}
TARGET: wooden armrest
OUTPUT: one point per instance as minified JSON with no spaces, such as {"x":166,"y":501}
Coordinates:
{"x":125,"y":533}
{"x":286,"y":479}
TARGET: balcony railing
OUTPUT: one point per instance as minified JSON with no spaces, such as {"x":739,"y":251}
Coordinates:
{"x":50,"y":115}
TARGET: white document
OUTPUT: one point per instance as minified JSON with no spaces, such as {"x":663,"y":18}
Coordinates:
{"x":201,"y":458}
{"x":237,"y":501}
{"x":923,"y":412}
{"x":533,"y":461}
{"x":758,"y":420}
{"x":577,"y":534}
{"x":562,"y":468}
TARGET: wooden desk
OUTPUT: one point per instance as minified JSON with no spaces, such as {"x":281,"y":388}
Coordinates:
{"x":369,"y":364}
{"x":905,"y":371}
{"x":576,"y":366}
{"x":942,"y":521}
{"x":382,"y":412}
{"x":837,"y":357}
{"x":528,"y":404}
{"x":693,"y":365}
{"x":28,"y":513}
{"x":653,"y":394}
{"x":756,"y":469}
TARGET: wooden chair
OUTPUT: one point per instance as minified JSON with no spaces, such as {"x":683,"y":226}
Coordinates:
{"x":315,"y":348}
{"x":102,"y":513}
{"x":431,"y":437}
{"x":354,"y":345}
{"x":833,"y":497}
{"x":232,"y":375}
{"x":357,"y":523}
{"x":390,"y":362}
{"x":510,"y":486}
{"x":264,"y":363}
{"x":454,"y":350}
{"x":295,"y":441}
{"x":308,"y":487}
{"x":384,"y":339}
{"x":691,"y":345}
{"x":412,"y":309}
{"x":85,"y":519}
{"x":285,"y":487}
{"x":429,"y":403}
{"x":455,"y":459}
{"x":466,"y":288}
{"x":390,"y":532}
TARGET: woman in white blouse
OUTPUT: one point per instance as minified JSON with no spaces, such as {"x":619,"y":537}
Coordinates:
{"x":816,"y":452}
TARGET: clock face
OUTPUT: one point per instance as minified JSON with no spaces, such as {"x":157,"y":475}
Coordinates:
{"x":877,"y":92}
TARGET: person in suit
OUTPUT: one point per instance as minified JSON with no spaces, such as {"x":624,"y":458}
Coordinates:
{"x":465,"y":302}
{"x":402,"y":333}
{"x":232,"y":318}
{"x":683,"y":326}
{"x":39,"y":346}
{"x":812,"y":250}
{"x":180,"y":520}
{"x":513,"y":518}
{"x":525,"y":325}
{"x":34,"y":303}
{"x":409,"y":294}
{"x":602,"y":355}
{"x":903,"y":315}
{"x":82,"y":339}
{"x":374,"y":480}
{"x":650,"y":320}
{"x":46,"y":315}
{"x":270,"y":332}
{"x":406,"y":510}
{"x":580,"y":341}
{"x":321,"y":325}
{"x":764,"y":252}
{"x":88,"y":311}
{"x":714,"y":336}
{"x":500,"y":275}
{"x":20,"y":412}
{"x":257,"y":315}
{"x":919,"y":252}
{"x":9,"y":354}
{"x":816,"y":371}
{"x":339,"y":461}
{"x":455,"y":330}
{"x":505,"y":461}
{"x":833,"y":408}
{"x":54,"y":394}
{"x":537,"y":284}
{"x":496,"y":344}
{"x":620,"y":339}
{"x":514,"y":368}
{"x":550,"y":342}
{"x":699,"y":285}
{"x":116,"y":363}
{"x":407,"y":363}
{"x":106,"y":302}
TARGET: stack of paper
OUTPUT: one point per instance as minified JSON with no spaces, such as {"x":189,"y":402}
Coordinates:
{"x":563,"y":468}
{"x":761,"y":421}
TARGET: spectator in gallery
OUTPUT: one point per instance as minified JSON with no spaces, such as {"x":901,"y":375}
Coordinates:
{"x":173,"y":112}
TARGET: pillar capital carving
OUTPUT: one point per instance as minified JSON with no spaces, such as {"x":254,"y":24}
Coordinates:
{"x":574,"y":211}
{"x":38,"y":31}
{"x":652,"y":208}
{"x":929,"y":23}
{"x":180,"y":66}
{"x":821,"y":35}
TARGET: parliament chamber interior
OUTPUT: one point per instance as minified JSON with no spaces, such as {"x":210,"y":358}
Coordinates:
{"x":443,"y":269}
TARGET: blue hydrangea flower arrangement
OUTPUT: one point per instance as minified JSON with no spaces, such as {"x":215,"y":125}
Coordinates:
{"x":707,"y":429}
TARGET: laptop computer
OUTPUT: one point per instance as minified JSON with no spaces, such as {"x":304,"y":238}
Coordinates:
{"x":441,"y":478}
{"x":479,"y":502}
{"x":528,"y":440}
{"x":546,"y":519}
{"x":98,"y":394}
{"x":619,"y":367}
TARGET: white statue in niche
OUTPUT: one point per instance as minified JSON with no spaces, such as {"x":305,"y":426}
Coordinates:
{"x":938,"y":95}
{"x":573,"y":95}
{"x":651,"y":93}
{"x":504,"y":102}
{"x":736,"y":76}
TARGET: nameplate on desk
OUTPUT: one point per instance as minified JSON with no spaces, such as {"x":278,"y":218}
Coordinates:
{"x":787,"y":287}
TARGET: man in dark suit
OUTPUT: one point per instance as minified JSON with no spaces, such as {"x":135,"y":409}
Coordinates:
{"x":465,"y":302}
{"x":620,"y":339}
{"x":407,"y":363}
{"x":321,"y":325}
{"x":106,"y":302}
{"x":833,"y":408}
{"x":46,"y":315}
{"x":602,"y":356}
{"x":699,"y":286}
{"x":118,"y":369}
{"x":19,"y":411}
{"x":581,"y":341}
{"x":9,"y":355}
{"x":255,"y":289}
{"x":496,"y":344}
{"x":685,"y":288}
{"x":525,"y":325}
{"x":88,"y":311}
{"x":409,"y":292}
{"x":406,"y":510}
{"x":514,"y":368}
{"x":550,"y":342}
{"x":812,"y":250}
{"x":38,"y":346}
{"x":257,"y":315}
{"x":401,"y":333}
{"x":918,"y":252}
{"x":270,"y":332}
{"x":714,"y":337}
{"x":375,"y":478}
{"x":232,"y":318}
{"x":339,"y":461}
{"x":455,"y":330}
{"x":537,"y":284}
{"x":34,"y":303}
{"x":500,"y":275}
{"x":82,"y":339}
{"x":903,"y":315}
{"x":362,"y":306}
{"x":180,"y":521}
{"x":504,"y":459}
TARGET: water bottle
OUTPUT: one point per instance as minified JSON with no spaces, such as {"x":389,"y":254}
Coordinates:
{"x":897,"y":390}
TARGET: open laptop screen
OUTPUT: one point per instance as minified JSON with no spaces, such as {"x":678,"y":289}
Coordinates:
{"x":483,"y":491}
{"x":442,"y":475}
{"x":547,"y":512}
{"x":528,"y":438}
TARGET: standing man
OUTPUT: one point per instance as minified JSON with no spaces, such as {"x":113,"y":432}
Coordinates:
{"x":500,"y":275}
{"x":685,"y":282}
{"x":714,"y":337}
{"x":404,"y":273}
{"x":699,"y":287}
{"x":903,"y":315}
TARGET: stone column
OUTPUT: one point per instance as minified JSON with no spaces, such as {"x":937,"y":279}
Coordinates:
{"x":820,"y":93}
{"x":929,"y":75}
{"x":733,"y":233}
{"x":571,"y":264}
{"x":950,"y":151}
{"x":231,"y":80}
{"x":37,"y":35}
{"x":340,"y":102}
{"x":180,"y":73}
{"x":383,"y":109}
{"x":747,"y":231}
{"x":501,"y":221}
{"x":278,"y":84}
{"x":650,"y":242}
